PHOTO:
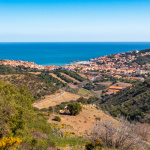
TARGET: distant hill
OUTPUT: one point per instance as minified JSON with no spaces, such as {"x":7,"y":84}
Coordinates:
{"x":144,"y":51}
{"x":142,"y":60}
{"x":132,"y":103}
{"x":41,"y":85}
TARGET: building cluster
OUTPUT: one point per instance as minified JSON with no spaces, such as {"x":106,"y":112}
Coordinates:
{"x":15,"y":63}
{"x":114,"y":64}
{"x":115,"y":89}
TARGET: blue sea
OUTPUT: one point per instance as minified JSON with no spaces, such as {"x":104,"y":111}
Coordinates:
{"x":62,"y":53}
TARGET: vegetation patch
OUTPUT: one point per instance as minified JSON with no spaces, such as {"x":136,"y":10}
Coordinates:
{"x":74,"y":108}
{"x":132,"y":103}
{"x":85,"y":92}
{"x":57,"y":118}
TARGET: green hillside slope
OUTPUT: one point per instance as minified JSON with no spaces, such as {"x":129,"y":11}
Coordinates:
{"x":133,"y":103}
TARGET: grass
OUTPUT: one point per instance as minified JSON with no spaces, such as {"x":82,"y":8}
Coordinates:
{"x":106,"y":83}
{"x":68,"y":141}
{"x":84,"y":92}
{"x":66,"y":97}
{"x":59,"y":141}
{"x":100,"y":91}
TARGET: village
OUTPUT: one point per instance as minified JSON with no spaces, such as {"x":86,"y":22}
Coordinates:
{"x":116,"y":65}
{"x":113,"y":64}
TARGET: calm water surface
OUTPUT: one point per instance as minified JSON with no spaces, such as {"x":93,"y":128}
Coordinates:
{"x":61,"y":53}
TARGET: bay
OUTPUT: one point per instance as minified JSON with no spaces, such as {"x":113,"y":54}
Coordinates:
{"x":62,"y":53}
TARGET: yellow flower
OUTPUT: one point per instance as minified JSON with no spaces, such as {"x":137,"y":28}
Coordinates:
{"x":6,"y":143}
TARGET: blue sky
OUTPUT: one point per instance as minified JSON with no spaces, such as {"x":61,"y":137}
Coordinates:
{"x":74,"y":20}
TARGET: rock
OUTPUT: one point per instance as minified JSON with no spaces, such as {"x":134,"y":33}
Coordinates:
{"x":39,"y":135}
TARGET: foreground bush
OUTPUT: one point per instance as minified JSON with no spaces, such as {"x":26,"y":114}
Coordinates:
{"x":16,"y":109}
{"x":19,"y":119}
{"x":74,"y":108}
{"x":89,"y":146}
{"x":119,"y":134}
{"x":6,"y":143}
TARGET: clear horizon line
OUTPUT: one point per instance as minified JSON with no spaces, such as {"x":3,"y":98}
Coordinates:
{"x":85,"y":42}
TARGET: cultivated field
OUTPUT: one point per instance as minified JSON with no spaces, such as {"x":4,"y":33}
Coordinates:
{"x":36,"y":73}
{"x":122,"y":84}
{"x":107,"y":83}
{"x":80,"y":74}
{"x":67,"y":76}
{"x":85,"y":92}
{"x":55,"y":76}
{"x":73,"y":86}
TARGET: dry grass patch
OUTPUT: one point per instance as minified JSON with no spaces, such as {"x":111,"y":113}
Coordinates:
{"x":73,"y":86}
{"x":66,"y":97}
{"x":107,"y":83}
{"x":122,"y":84}
{"x":46,"y":97}
{"x":36,"y":73}
{"x":83,"y":122}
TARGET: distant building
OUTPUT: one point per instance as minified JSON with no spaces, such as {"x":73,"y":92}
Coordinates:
{"x":129,"y":52}
{"x":135,"y":51}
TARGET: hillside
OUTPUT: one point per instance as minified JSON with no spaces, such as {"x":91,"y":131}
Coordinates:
{"x":133,"y":103}
{"x":29,"y":126}
{"x":39,"y":85}
{"x":142,"y":60}
{"x":146,"y":50}
{"x":19,"y":120}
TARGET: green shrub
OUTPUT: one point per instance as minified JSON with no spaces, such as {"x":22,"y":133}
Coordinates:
{"x":89,"y":146}
{"x":44,"y":109}
{"x":49,"y":113}
{"x":57,"y":118}
{"x":72,"y":133}
{"x":35,"y":97}
{"x":36,"y":109}
{"x":74,"y":108}
{"x":98,"y":118}
{"x":39,"y":95}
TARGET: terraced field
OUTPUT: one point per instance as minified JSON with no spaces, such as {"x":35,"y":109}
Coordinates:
{"x":36,"y":73}
{"x":67,"y":76}
{"x":55,"y":76}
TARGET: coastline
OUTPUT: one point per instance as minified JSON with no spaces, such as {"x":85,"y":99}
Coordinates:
{"x":62,"y":53}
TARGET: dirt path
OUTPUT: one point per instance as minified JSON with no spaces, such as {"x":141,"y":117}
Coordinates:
{"x":36,"y":73}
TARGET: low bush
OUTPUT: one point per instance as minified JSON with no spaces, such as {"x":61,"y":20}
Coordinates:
{"x":98,"y":118}
{"x":57,"y":118}
{"x":74,"y":108}
{"x":120,"y":135}
{"x":89,"y":146}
